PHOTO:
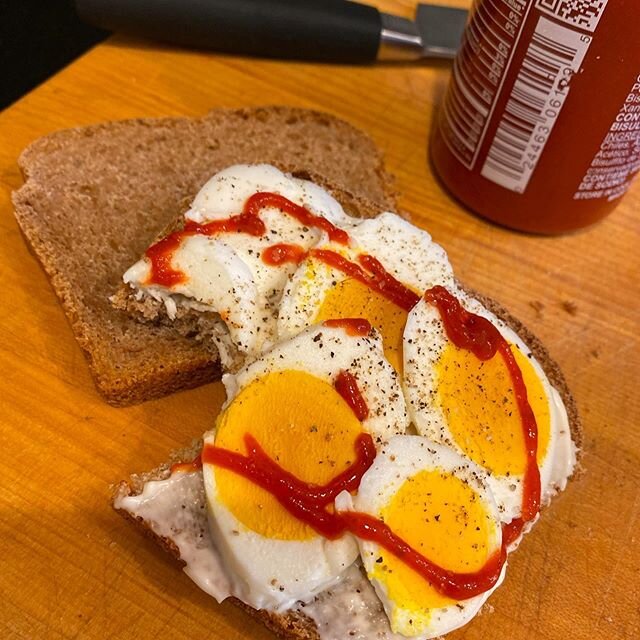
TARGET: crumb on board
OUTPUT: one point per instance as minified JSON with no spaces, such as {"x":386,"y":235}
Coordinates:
{"x":570,"y":307}
{"x":537,"y":306}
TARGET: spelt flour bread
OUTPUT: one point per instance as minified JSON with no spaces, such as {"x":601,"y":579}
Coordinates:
{"x":95,"y":197}
{"x":296,"y":624}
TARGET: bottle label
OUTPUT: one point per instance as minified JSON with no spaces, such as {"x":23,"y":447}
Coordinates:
{"x":584,"y":14}
{"x":618,"y":160}
{"x":553,"y":54}
{"x":478,"y":74}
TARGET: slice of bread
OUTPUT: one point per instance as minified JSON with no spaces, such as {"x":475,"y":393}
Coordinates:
{"x":294,"y":625}
{"x":95,"y":197}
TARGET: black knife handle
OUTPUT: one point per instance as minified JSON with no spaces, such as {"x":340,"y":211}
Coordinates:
{"x":331,"y":30}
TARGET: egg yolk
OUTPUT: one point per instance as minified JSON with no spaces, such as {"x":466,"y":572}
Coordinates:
{"x":479,"y":406}
{"x":351,"y":298}
{"x":303,"y":424}
{"x":443,"y":518}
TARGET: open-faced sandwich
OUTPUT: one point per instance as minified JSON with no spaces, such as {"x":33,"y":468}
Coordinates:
{"x":388,"y":436}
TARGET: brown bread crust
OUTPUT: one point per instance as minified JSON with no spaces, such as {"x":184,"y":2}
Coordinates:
{"x":95,"y":197}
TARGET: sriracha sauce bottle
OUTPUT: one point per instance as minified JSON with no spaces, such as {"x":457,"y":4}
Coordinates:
{"x":540,"y":126}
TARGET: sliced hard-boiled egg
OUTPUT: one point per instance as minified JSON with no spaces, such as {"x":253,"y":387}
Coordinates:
{"x":227,"y":272}
{"x":469,"y":404}
{"x":287,"y":401}
{"x":318,"y":291}
{"x":438,"y":503}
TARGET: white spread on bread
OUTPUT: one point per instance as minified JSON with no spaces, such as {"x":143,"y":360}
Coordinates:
{"x":270,"y":313}
{"x":348,"y":609}
{"x":175,"y":509}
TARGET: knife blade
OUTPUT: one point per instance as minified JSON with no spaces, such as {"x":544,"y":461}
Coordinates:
{"x":322,"y":30}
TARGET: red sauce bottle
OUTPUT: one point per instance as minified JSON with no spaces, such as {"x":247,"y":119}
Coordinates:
{"x":540,"y":126}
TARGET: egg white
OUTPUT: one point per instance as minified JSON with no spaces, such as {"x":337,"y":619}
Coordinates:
{"x":425,"y":340}
{"x":399,"y":460}
{"x":275,"y":574}
{"x":225,"y":272}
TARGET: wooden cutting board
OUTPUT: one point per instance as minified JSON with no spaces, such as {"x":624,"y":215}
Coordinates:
{"x":71,"y":568}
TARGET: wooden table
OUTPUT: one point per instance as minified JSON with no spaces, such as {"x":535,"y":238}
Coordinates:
{"x":71,"y":568}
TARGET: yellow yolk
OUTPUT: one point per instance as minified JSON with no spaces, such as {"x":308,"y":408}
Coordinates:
{"x":303,"y":424}
{"x":442,"y":518}
{"x":479,"y":406}
{"x":351,"y":298}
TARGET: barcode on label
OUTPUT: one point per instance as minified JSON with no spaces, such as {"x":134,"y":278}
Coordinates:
{"x":584,"y":14}
{"x":554,"y":54}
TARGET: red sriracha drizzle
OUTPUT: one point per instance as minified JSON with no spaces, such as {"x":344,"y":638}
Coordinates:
{"x":352,"y":326}
{"x":303,"y":500}
{"x":452,"y":584}
{"x":278,"y":254}
{"x":259,"y":201}
{"x":347,"y":386}
{"x":161,"y":253}
{"x":473,"y":332}
{"x":187,"y":467}
{"x":369,"y":271}
{"x":377,"y":278}
{"x":310,"y":503}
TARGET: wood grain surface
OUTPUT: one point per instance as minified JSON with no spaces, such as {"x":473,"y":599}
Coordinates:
{"x":71,"y":568}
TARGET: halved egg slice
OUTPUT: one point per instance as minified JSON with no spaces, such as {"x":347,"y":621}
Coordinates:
{"x":288,"y":402}
{"x":318,"y":291}
{"x":469,"y":404}
{"x":227,"y":272}
{"x":439,"y":504}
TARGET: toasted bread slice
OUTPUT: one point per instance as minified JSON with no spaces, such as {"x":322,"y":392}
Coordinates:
{"x":95,"y":197}
{"x":294,"y":624}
